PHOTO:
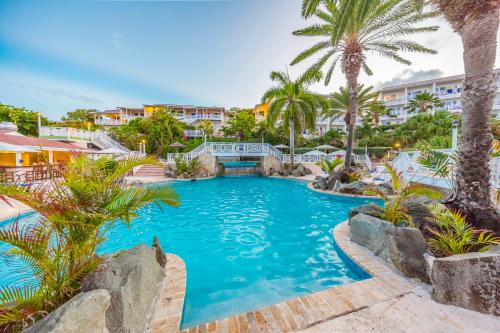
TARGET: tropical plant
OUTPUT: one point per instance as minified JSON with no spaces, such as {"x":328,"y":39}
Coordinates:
{"x":330,"y":166}
{"x":374,"y":112}
{"x":242,"y":124}
{"x":442,"y":165}
{"x":293,"y":103}
{"x":61,"y":247}
{"x":424,"y":126}
{"x":451,"y":235}
{"x":394,"y":209}
{"x":424,"y":102}
{"x":206,"y":126}
{"x":340,"y":102}
{"x":353,"y":28}
{"x":26,"y":120}
{"x":158,"y":131}
{"x":191,"y":167}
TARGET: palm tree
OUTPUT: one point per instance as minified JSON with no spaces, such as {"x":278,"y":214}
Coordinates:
{"x":354,"y":28}
{"x":340,"y":102}
{"x":374,"y":112}
{"x":476,"y":22}
{"x":424,"y":102}
{"x":293,"y":103}
{"x":61,"y":247}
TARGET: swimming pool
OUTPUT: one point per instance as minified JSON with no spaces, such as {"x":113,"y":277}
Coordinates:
{"x":248,"y":242}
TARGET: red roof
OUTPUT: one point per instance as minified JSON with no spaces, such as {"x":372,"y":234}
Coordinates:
{"x":36,"y":142}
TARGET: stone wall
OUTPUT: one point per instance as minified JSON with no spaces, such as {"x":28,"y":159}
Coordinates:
{"x":209,"y":164}
{"x":469,"y":280}
{"x":268,"y":163}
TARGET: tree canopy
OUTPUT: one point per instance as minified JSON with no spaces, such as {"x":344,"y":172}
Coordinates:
{"x":26,"y":120}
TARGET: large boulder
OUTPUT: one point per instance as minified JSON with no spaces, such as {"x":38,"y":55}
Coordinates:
{"x":407,"y":247}
{"x":301,"y":169}
{"x":296,"y":173}
{"x":133,"y":279}
{"x":469,"y":280}
{"x":83,"y":313}
{"x":357,"y":187}
{"x":416,"y":207}
{"x":321,"y":183}
{"x":368,"y":209}
{"x":369,"y":231}
{"x":307,"y":171}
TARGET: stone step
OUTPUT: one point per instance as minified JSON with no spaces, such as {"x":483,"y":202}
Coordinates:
{"x":150,"y":171}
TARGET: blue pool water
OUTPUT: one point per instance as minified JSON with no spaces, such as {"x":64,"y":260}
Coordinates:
{"x":247,"y":242}
{"x":239,"y":164}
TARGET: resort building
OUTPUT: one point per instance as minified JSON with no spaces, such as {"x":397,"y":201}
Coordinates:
{"x":448,"y":89}
{"x":261,"y":111}
{"x":188,"y":114}
{"x":22,"y":155}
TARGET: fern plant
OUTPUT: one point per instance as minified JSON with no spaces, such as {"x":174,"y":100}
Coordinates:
{"x":451,"y":235}
{"x":330,"y":166}
{"x":394,"y":209}
{"x":60,"y":248}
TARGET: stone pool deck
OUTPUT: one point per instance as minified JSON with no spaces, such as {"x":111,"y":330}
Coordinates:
{"x":12,"y":209}
{"x":386,"y":302}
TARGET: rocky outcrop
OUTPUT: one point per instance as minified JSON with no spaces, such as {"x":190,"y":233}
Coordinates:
{"x":83,"y":313}
{"x":369,"y":209}
{"x":369,"y":231}
{"x":469,"y":280}
{"x":133,"y":279}
{"x":357,"y":187}
{"x":407,"y":247}
{"x":161,"y":257}
{"x":337,"y":176}
{"x":402,"y":247}
{"x":320,"y":183}
{"x":416,"y":207}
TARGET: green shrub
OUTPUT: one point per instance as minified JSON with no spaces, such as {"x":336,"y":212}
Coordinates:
{"x":451,"y":235}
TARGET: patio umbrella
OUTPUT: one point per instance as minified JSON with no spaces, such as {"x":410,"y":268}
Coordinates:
{"x":281,"y":146}
{"x":177,"y":145}
{"x":325,"y":147}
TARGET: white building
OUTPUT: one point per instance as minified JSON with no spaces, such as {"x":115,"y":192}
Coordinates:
{"x":395,"y":98}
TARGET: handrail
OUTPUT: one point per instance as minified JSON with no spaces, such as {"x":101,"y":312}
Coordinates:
{"x":99,"y":137}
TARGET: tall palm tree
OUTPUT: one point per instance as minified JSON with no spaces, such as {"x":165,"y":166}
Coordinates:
{"x":354,"y":28}
{"x":340,"y":102}
{"x":293,"y":103}
{"x":476,"y":22}
{"x":424,"y":102}
{"x":374,"y":112}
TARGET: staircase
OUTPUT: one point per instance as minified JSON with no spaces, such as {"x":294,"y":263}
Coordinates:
{"x":150,"y":170}
{"x":99,"y":138}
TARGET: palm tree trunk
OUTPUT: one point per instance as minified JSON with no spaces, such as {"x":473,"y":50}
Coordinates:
{"x":472,"y":187}
{"x":292,"y":144}
{"x":352,"y":84}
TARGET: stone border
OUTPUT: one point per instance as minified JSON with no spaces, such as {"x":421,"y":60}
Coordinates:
{"x":167,"y":312}
{"x":342,"y":194}
{"x":309,"y":310}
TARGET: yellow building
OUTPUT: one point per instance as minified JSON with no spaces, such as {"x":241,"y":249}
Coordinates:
{"x":261,"y":111}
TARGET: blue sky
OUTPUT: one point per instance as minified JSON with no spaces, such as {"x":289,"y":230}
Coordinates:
{"x":56,"y":56}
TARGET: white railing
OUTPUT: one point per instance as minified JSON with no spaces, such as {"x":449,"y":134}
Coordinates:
{"x":229,"y":149}
{"x":193,"y":133}
{"x":313,"y":158}
{"x":99,"y":138}
{"x":110,"y":122}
